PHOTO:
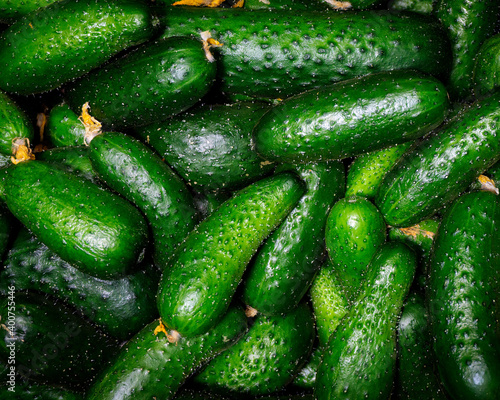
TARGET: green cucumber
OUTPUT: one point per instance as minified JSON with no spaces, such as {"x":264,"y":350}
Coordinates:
{"x":94,"y":229}
{"x":202,"y":277}
{"x":486,"y":71}
{"x":276,"y":284}
{"x":14,"y":123}
{"x":207,"y":202}
{"x":36,"y":391}
{"x":67,"y":39}
{"x":210,"y":146}
{"x":267,"y":358}
{"x":306,"y":378}
{"x":360,"y":358}
{"x":442,"y":166}
{"x":278,"y":53}
{"x":133,"y":170}
{"x":463,"y":294}
{"x":355,"y":230}
{"x":120,"y":307}
{"x":149,"y":84}
{"x":64,"y":128}
{"x":426,"y":7}
{"x":352,"y":117}
{"x":12,"y":10}
{"x":149,"y":366}
{"x":294,"y":5}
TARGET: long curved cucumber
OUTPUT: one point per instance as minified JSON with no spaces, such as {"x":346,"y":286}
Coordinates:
{"x":486,"y":71}
{"x":14,"y":123}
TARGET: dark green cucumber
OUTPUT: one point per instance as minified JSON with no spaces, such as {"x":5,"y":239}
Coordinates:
{"x":67,"y":39}
{"x":267,"y":358}
{"x":283,"y":269}
{"x":463,"y":294}
{"x":149,"y":84}
{"x":468,"y":23}
{"x":35,"y":391}
{"x":278,"y":53}
{"x":94,"y":229}
{"x":367,"y":170}
{"x":200,"y":281}
{"x":352,"y":117}
{"x":487,"y":67}
{"x":207,"y":202}
{"x":149,"y":366}
{"x":14,"y":123}
{"x":426,"y":7}
{"x":442,"y":166}
{"x":50,"y":342}
{"x":12,"y":10}
{"x":306,"y":378}
{"x":64,"y":128}
{"x":360,"y":358}
{"x":133,"y":170}
{"x":210,"y":146}
{"x":120,"y":307}
{"x":355,"y":230}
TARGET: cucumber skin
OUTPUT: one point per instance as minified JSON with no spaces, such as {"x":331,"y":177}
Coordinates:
{"x":133,"y":170}
{"x":155,"y":81}
{"x":119,"y":307}
{"x":267,"y":358}
{"x":351,"y":118}
{"x":275,"y":285}
{"x":462,"y":296}
{"x":14,"y":123}
{"x":360,"y":358}
{"x":54,"y":204}
{"x":487,"y":67}
{"x":64,"y":128}
{"x":197,"y":286}
{"x":442,"y":166}
{"x":10,"y":11}
{"x":281,"y":53}
{"x":66,"y":39}
{"x":148,"y":366}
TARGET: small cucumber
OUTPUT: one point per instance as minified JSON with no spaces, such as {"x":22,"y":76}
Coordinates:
{"x":267,"y":358}
{"x":487,"y":67}
{"x":66,"y":39}
{"x":463,"y":294}
{"x":283,"y":269}
{"x":149,"y":84}
{"x":64,"y":128}
{"x":87,"y":226}
{"x":14,"y":123}
{"x":360,"y":358}
{"x":198,"y":285}
{"x":352,"y":117}
{"x":442,"y":166}
{"x":149,"y":366}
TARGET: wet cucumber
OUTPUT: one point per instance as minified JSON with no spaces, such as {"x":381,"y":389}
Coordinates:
{"x":487,"y":67}
{"x":352,"y":117}
{"x":306,"y":378}
{"x":11,"y":10}
{"x":14,"y":123}
{"x":64,"y":128}
{"x":202,"y":277}
{"x":67,"y":39}
{"x":463,"y":293}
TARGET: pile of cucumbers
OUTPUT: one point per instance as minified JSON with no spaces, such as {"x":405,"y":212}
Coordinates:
{"x":281,"y":199}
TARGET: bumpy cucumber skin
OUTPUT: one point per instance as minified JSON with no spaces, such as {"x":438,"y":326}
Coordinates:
{"x":149,"y":84}
{"x":149,"y":366}
{"x":442,"y":166}
{"x":14,"y":123}
{"x":487,"y":67}
{"x":462,"y":296}
{"x":89,"y":227}
{"x":267,"y":358}
{"x":468,"y":23}
{"x":10,"y":10}
{"x":284,"y":267}
{"x":120,"y":307}
{"x":355,"y":230}
{"x":67,"y":39}
{"x":64,"y":128}
{"x":210,"y":146}
{"x":367,"y":170}
{"x":280,"y":53}
{"x":138,"y":174}
{"x":352,"y":117}
{"x":197,"y":286}
{"x":360,"y":358}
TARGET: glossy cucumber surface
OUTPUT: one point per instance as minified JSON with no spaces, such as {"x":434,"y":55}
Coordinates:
{"x":14,"y":123}
{"x":11,"y":10}
{"x":64,"y":128}
{"x":487,"y":67}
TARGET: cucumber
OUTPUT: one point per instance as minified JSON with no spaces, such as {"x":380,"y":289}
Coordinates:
{"x":278,"y":53}
{"x":442,"y":166}
{"x":283,"y":269}
{"x":14,"y":123}
{"x":64,"y":128}
{"x":360,"y":358}
{"x":11,"y":10}
{"x":154,"y":82}
{"x":294,"y":5}
{"x":210,"y":146}
{"x":426,"y":7}
{"x":463,"y":294}
{"x":138,"y":174}
{"x":486,"y":72}
{"x":67,"y":39}
{"x":306,"y":378}
{"x":352,"y":117}
{"x":197,"y":287}
{"x":149,"y":366}
{"x":119,"y":307}
{"x":267,"y":358}
{"x":89,"y":227}
{"x":34,"y":391}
